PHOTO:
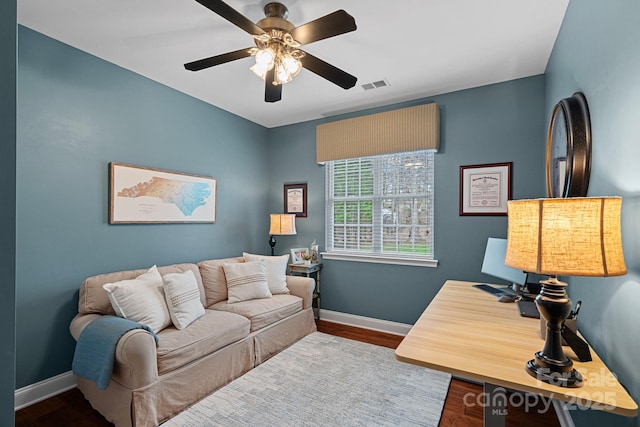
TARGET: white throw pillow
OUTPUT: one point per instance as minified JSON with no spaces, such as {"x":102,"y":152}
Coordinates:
{"x":141,"y":299}
{"x":276,"y":271}
{"x":246,"y":281}
{"x":183,"y":298}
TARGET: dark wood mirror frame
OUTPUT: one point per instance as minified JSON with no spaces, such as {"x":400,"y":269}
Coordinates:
{"x":569,"y":148}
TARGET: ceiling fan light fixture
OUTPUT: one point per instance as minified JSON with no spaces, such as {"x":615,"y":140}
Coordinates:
{"x":265,"y":60}
{"x":285,"y":60}
{"x":287,"y":67}
{"x":260,"y":70}
{"x":265,"y":57}
{"x":291,"y":65}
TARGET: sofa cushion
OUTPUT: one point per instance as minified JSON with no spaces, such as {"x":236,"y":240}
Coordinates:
{"x":141,"y":299}
{"x":214,"y":280}
{"x":246,"y":281}
{"x":263,"y":312}
{"x":93,"y":298}
{"x":276,"y":271}
{"x":183,"y":298}
{"x":209,"y":333}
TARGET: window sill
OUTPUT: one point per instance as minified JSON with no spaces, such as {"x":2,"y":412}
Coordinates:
{"x":380,"y":259}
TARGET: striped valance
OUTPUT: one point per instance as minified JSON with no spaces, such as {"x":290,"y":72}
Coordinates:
{"x":407,"y":129}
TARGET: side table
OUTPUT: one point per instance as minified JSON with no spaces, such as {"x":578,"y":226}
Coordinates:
{"x":313,"y":271}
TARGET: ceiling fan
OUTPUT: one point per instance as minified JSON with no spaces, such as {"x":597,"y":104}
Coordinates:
{"x":277,"y":54}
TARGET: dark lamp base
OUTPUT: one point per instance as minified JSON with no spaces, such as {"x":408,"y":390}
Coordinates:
{"x":551,"y":365}
{"x":272,"y":243}
{"x":554,"y":374}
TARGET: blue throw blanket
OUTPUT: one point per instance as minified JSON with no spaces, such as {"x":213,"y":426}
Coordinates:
{"x":95,"y":351}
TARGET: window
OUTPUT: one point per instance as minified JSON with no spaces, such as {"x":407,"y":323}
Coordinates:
{"x":380,"y":208}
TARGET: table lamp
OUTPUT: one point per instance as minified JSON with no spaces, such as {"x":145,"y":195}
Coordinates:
{"x":281,"y":225}
{"x":577,"y":236}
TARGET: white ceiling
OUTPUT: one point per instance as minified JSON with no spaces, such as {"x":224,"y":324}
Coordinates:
{"x":420,"y":47}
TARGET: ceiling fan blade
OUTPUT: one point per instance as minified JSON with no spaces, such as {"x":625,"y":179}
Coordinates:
{"x":201,"y":64}
{"x":272,"y":93}
{"x":328,"y":71}
{"x":333,"y":24}
{"x":232,"y":15}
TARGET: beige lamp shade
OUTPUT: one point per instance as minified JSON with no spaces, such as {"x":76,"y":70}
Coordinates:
{"x":577,"y":236}
{"x":282,"y":224}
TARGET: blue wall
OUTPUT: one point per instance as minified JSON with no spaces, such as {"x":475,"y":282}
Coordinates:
{"x":490,"y":124}
{"x":8,"y":63}
{"x":76,"y":113}
{"x":597,"y":53}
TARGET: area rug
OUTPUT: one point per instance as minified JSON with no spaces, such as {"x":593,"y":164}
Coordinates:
{"x":324,"y":380}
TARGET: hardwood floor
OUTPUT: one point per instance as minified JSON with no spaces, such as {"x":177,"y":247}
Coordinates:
{"x":70,"y":409}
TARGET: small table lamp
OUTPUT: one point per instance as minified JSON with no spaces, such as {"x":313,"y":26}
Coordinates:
{"x":281,"y":225}
{"x":556,"y":237}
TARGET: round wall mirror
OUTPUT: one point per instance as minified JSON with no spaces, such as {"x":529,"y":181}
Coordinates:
{"x":569,"y":148}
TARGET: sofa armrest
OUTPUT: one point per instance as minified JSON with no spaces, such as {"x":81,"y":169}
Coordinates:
{"x":136,"y":363}
{"x":302,"y":287}
{"x":136,"y":359}
{"x":80,"y":322}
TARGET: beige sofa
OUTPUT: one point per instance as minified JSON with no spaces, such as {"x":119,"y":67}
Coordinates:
{"x":153,"y":382}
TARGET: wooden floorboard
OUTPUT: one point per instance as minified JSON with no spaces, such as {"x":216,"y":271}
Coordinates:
{"x":70,"y":409}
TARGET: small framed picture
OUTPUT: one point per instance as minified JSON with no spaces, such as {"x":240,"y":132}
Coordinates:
{"x":298,"y":254}
{"x":295,"y":199}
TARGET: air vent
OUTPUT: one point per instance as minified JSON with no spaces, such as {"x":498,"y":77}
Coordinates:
{"x":375,"y":85}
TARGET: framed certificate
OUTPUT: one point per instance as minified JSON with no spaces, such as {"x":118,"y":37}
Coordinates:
{"x":295,"y":199}
{"x":485,"y":189}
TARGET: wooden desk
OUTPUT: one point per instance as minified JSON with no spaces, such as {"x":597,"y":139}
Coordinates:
{"x":467,"y":333}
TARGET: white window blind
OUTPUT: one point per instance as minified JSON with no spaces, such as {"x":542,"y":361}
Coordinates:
{"x":381,"y":205}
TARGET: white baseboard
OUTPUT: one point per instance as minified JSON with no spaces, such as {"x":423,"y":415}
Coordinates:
{"x":365,"y":322}
{"x":34,"y":393}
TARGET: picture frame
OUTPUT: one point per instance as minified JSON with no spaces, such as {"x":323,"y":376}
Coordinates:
{"x":295,"y":199}
{"x":297,"y":255}
{"x":144,"y":195}
{"x":485,"y":189}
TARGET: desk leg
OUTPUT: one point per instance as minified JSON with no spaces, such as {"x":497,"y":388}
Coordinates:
{"x":495,"y":406}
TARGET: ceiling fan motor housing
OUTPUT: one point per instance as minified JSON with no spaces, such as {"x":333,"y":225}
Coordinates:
{"x":275,"y":9}
{"x":276,"y":18}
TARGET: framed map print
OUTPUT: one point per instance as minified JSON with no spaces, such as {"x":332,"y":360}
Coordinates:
{"x":141,"y":195}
